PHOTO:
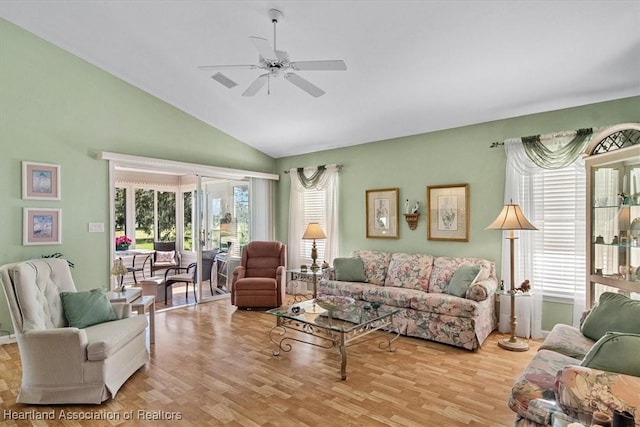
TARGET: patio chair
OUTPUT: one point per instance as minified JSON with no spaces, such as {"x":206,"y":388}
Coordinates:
{"x":166,"y":255}
{"x":188,"y":275}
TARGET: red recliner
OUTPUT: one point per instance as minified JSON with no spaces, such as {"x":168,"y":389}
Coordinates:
{"x":259,"y":280}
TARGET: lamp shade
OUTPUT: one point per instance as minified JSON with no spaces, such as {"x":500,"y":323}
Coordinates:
{"x":314,"y":231}
{"x":118,"y":268}
{"x":511,"y":218}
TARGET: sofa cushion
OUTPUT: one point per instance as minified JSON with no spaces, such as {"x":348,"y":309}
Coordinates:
{"x":376,"y":264}
{"x":614,"y":313}
{"x":582,"y":390}
{"x":478,"y":291}
{"x":104,"y":339}
{"x":444,"y":267}
{"x":537,"y":381}
{"x":344,"y":289}
{"x":165,"y":256}
{"x":87,"y":308}
{"x":388,"y":295}
{"x":464,"y":276}
{"x":444,"y":304}
{"x":410,"y":271}
{"x":567,"y":340}
{"x":349,"y":269}
{"x":615,"y":352}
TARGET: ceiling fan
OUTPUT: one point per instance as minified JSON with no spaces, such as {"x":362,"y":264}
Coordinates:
{"x":276,"y":63}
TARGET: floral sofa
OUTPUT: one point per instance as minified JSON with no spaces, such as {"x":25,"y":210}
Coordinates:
{"x":417,"y":283}
{"x":558,"y":386}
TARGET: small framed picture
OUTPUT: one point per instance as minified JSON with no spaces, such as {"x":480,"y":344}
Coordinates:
{"x":448,"y":207}
{"x":382,"y":213}
{"x":42,"y":226}
{"x":40,"y":181}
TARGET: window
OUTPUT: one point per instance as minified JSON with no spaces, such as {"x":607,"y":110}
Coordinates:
{"x":313,"y":198}
{"x":166,"y":216}
{"x":121,"y":212}
{"x":241,"y":207}
{"x":187,"y":215}
{"x":558,"y":209}
{"x":315,"y":210}
{"x":149,"y":215}
{"x":144,"y":219}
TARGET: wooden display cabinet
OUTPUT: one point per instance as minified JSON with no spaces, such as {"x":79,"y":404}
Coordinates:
{"x":613,"y":212}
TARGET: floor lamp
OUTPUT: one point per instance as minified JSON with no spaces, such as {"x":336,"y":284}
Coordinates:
{"x":511,"y":218}
{"x":313,"y":232}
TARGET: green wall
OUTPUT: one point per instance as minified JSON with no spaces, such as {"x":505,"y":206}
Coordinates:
{"x":56,"y":108}
{"x":453,"y":156}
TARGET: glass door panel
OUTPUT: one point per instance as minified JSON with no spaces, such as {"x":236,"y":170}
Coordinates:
{"x":167,"y":216}
{"x":208,"y":213}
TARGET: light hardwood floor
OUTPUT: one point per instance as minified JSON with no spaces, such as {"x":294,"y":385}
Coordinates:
{"x":213,"y":365}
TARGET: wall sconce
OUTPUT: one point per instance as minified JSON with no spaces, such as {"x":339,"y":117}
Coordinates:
{"x":411,"y":215}
{"x":412,"y":220}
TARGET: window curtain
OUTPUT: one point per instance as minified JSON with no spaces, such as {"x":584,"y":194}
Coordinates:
{"x":310,"y":179}
{"x":556,"y":154}
{"x":261,"y":225}
{"x":526,"y":164}
{"x":519,"y":165}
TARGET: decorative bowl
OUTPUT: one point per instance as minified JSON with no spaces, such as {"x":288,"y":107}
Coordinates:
{"x":334,"y":302}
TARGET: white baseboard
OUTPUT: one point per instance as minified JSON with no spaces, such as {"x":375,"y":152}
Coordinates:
{"x":7,"y":339}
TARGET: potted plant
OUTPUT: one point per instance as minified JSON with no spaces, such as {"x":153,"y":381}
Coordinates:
{"x":122,"y":243}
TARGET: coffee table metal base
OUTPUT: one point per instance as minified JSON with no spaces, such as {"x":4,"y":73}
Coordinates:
{"x":281,"y":335}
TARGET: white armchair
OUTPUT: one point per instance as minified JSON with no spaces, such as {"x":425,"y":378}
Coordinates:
{"x":62,"y":364}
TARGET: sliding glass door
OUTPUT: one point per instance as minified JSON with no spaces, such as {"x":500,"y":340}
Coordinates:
{"x":222,"y":224}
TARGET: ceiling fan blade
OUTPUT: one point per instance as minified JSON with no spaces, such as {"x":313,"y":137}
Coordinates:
{"x":264,"y":48}
{"x":304,"y":84}
{"x":226,"y":81}
{"x":332,"y":65}
{"x":223,"y":67}
{"x":256,"y":85}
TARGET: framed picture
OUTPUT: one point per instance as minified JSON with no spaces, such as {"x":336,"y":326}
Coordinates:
{"x":382,"y":213}
{"x":448,"y":207}
{"x":42,"y":226}
{"x":40,"y":181}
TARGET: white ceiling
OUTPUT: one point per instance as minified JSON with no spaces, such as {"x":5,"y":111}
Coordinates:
{"x":412,"y":66}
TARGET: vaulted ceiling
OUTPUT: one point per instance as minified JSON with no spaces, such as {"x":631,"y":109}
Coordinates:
{"x":412,"y":66}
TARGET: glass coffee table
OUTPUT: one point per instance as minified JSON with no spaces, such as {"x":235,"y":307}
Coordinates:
{"x":335,"y":329}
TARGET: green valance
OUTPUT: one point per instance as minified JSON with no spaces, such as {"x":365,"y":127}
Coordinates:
{"x":313,"y":180}
{"x":542,"y":156}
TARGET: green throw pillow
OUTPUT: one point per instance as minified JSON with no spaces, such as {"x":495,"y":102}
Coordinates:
{"x":614,"y":313}
{"x":349,"y":269}
{"x":462,"y":279}
{"x":88,"y":308}
{"x":615,"y":352}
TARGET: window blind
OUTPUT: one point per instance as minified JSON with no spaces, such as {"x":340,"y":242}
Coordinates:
{"x":559,"y":247}
{"x":315,"y":208}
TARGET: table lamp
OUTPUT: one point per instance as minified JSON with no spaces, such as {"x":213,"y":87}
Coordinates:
{"x":511,"y":218}
{"x":313,"y":232}
{"x":119,"y":270}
